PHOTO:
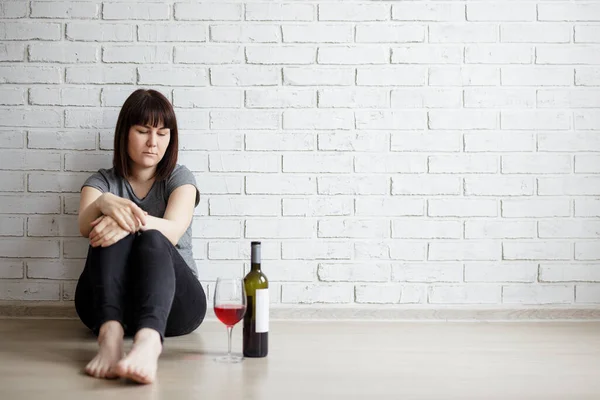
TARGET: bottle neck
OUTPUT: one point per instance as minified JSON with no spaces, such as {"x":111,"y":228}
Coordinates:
{"x":255,"y":258}
{"x":255,"y":266}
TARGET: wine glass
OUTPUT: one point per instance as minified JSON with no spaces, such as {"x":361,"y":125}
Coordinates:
{"x":230,"y":307}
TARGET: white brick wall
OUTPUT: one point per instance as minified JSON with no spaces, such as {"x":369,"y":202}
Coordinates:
{"x":431,"y":153}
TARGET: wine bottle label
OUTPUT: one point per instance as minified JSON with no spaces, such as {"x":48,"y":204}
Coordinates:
{"x":262,"y":310}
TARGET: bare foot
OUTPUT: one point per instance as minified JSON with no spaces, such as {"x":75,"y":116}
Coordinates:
{"x":110,"y":340}
{"x":141,"y":363}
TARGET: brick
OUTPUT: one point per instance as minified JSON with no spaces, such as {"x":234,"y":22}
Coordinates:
{"x":11,"y":139}
{"x":572,"y":141}
{"x":249,"y":119}
{"x":499,"y":186}
{"x":207,"y":98}
{"x":463,"y":33}
{"x":251,"y":75}
{"x":378,"y":293}
{"x":426,"y":229}
{"x":280,"y":12}
{"x":107,"y":74}
{"x":467,"y":75}
{"x":64,"y":10}
{"x":245,"y":33}
{"x":196,"y":161}
{"x":565,"y":98}
{"x":352,"y":141}
{"x":317,"y":163}
{"x":426,"y":98}
{"x":29,"y":74}
{"x":347,"y":272}
{"x":517,"y":208}
{"x":573,"y":54}
{"x":55,"y":269}
{"x":415,"y":11}
{"x":568,"y":12}
{"x":30,"y":248}
{"x":284,"y":228}
{"x":498,"y":229}
{"x":352,"y":228}
{"x":536,"y":164}
{"x":13,"y":96}
{"x":564,"y":228}
{"x":540,"y":250}
{"x":11,"y":269}
{"x":401,"y":120}
{"x":584,"y":120}
{"x":250,"y":162}
{"x":321,"y":33}
{"x":427,"y":272}
{"x":318,"y":119}
{"x":391,"y":76}
{"x":13,"y":9}
{"x":498,"y":54}
{"x":279,"y":141}
{"x":463,"y":119}
{"x":311,"y":76}
{"x":538,"y":294}
{"x":427,"y":54}
{"x":354,"y":98}
{"x":58,"y":182}
{"x":193,"y":119}
{"x":232,"y":250}
{"x":536,"y":76}
{"x":278,"y":184}
{"x":173,"y":76}
{"x":470,"y":163}
{"x":426,"y":142}
{"x":91,"y":118}
{"x":377,"y":33}
{"x":499,"y":141}
{"x":465,"y":294}
{"x":208,"y":11}
{"x":52,"y":226}
{"x":29,"y":31}
{"x":30,"y":291}
{"x":116,"y":96}
{"x":413,"y":163}
{"x":76,"y":96}
{"x":30,"y":204}
{"x":317,"y":293}
{"x":195,"y":140}
{"x":29,"y":160}
{"x":587,"y":33}
{"x":137,"y":54}
{"x":318,"y":206}
{"x":501,"y":272}
{"x":334,"y":185}
{"x":587,"y":250}
{"x":218,"y":54}
{"x":499,"y":98}
{"x":216,"y":228}
{"x":11,"y":226}
{"x":388,"y":207}
{"x":587,"y":207}
{"x":586,"y":293}
{"x":354,"y":12}
{"x":569,"y":186}
{"x":280,"y":98}
{"x":394,"y":249}
{"x":361,"y":54}
{"x":12,"y":181}
{"x":465,"y":250}
{"x":535,"y":120}
{"x":97,"y":32}
{"x":244,"y":206}
{"x":12,"y":52}
{"x":461,"y":208}
{"x":535,"y":33}
{"x":171,"y":32}
{"x":136,"y":11}
{"x":426,"y":185}
{"x":501,"y":12}
{"x":316,"y":250}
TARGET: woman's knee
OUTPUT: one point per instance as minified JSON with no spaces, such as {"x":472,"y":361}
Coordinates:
{"x":152,"y":239}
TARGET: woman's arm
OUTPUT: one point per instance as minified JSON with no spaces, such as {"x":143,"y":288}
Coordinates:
{"x":178,"y":215}
{"x":88,"y":209}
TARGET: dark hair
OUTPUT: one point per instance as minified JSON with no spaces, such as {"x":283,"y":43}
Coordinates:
{"x":145,"y":107}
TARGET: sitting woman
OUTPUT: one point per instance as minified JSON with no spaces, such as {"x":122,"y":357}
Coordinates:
{"x":140,"y":278}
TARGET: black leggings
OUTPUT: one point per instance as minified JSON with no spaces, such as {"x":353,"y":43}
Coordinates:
{"x":143,"y":282}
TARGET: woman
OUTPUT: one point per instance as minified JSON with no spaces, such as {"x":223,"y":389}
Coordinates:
{"x":140,"y":277}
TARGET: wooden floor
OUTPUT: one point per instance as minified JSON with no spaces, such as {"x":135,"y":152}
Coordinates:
{"x":43,"y":359}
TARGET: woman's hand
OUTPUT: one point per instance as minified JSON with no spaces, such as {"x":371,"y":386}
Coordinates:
{"x":128,"y":215}
{"x":106,"y":231}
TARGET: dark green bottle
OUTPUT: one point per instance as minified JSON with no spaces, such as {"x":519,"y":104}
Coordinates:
{"x":256,"y":319}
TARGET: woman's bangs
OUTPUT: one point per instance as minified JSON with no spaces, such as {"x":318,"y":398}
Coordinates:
{"x":152,"y":113}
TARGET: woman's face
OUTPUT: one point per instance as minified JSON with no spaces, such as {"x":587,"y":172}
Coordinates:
{"x":147,"y":144}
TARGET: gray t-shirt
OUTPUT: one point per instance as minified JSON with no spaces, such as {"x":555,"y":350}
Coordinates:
{"x":155,"y":202}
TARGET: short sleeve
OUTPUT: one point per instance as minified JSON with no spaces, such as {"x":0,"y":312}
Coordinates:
{"x":180,"y":176}
{"x":97,"y":181}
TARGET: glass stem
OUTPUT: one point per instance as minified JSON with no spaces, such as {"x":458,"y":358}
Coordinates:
{"x":229,"y":330}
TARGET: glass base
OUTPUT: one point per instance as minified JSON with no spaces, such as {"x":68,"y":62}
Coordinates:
{"x":229,"y":359}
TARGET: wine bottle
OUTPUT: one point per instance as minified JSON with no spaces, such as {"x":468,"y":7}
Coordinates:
{"x":256,"y":319}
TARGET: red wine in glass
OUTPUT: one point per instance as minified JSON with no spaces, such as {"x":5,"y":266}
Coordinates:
{"x":230,"y":307}
{"x":230,"y":314}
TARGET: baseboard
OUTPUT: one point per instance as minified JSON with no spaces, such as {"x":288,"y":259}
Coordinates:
{"x":357,"y":313}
